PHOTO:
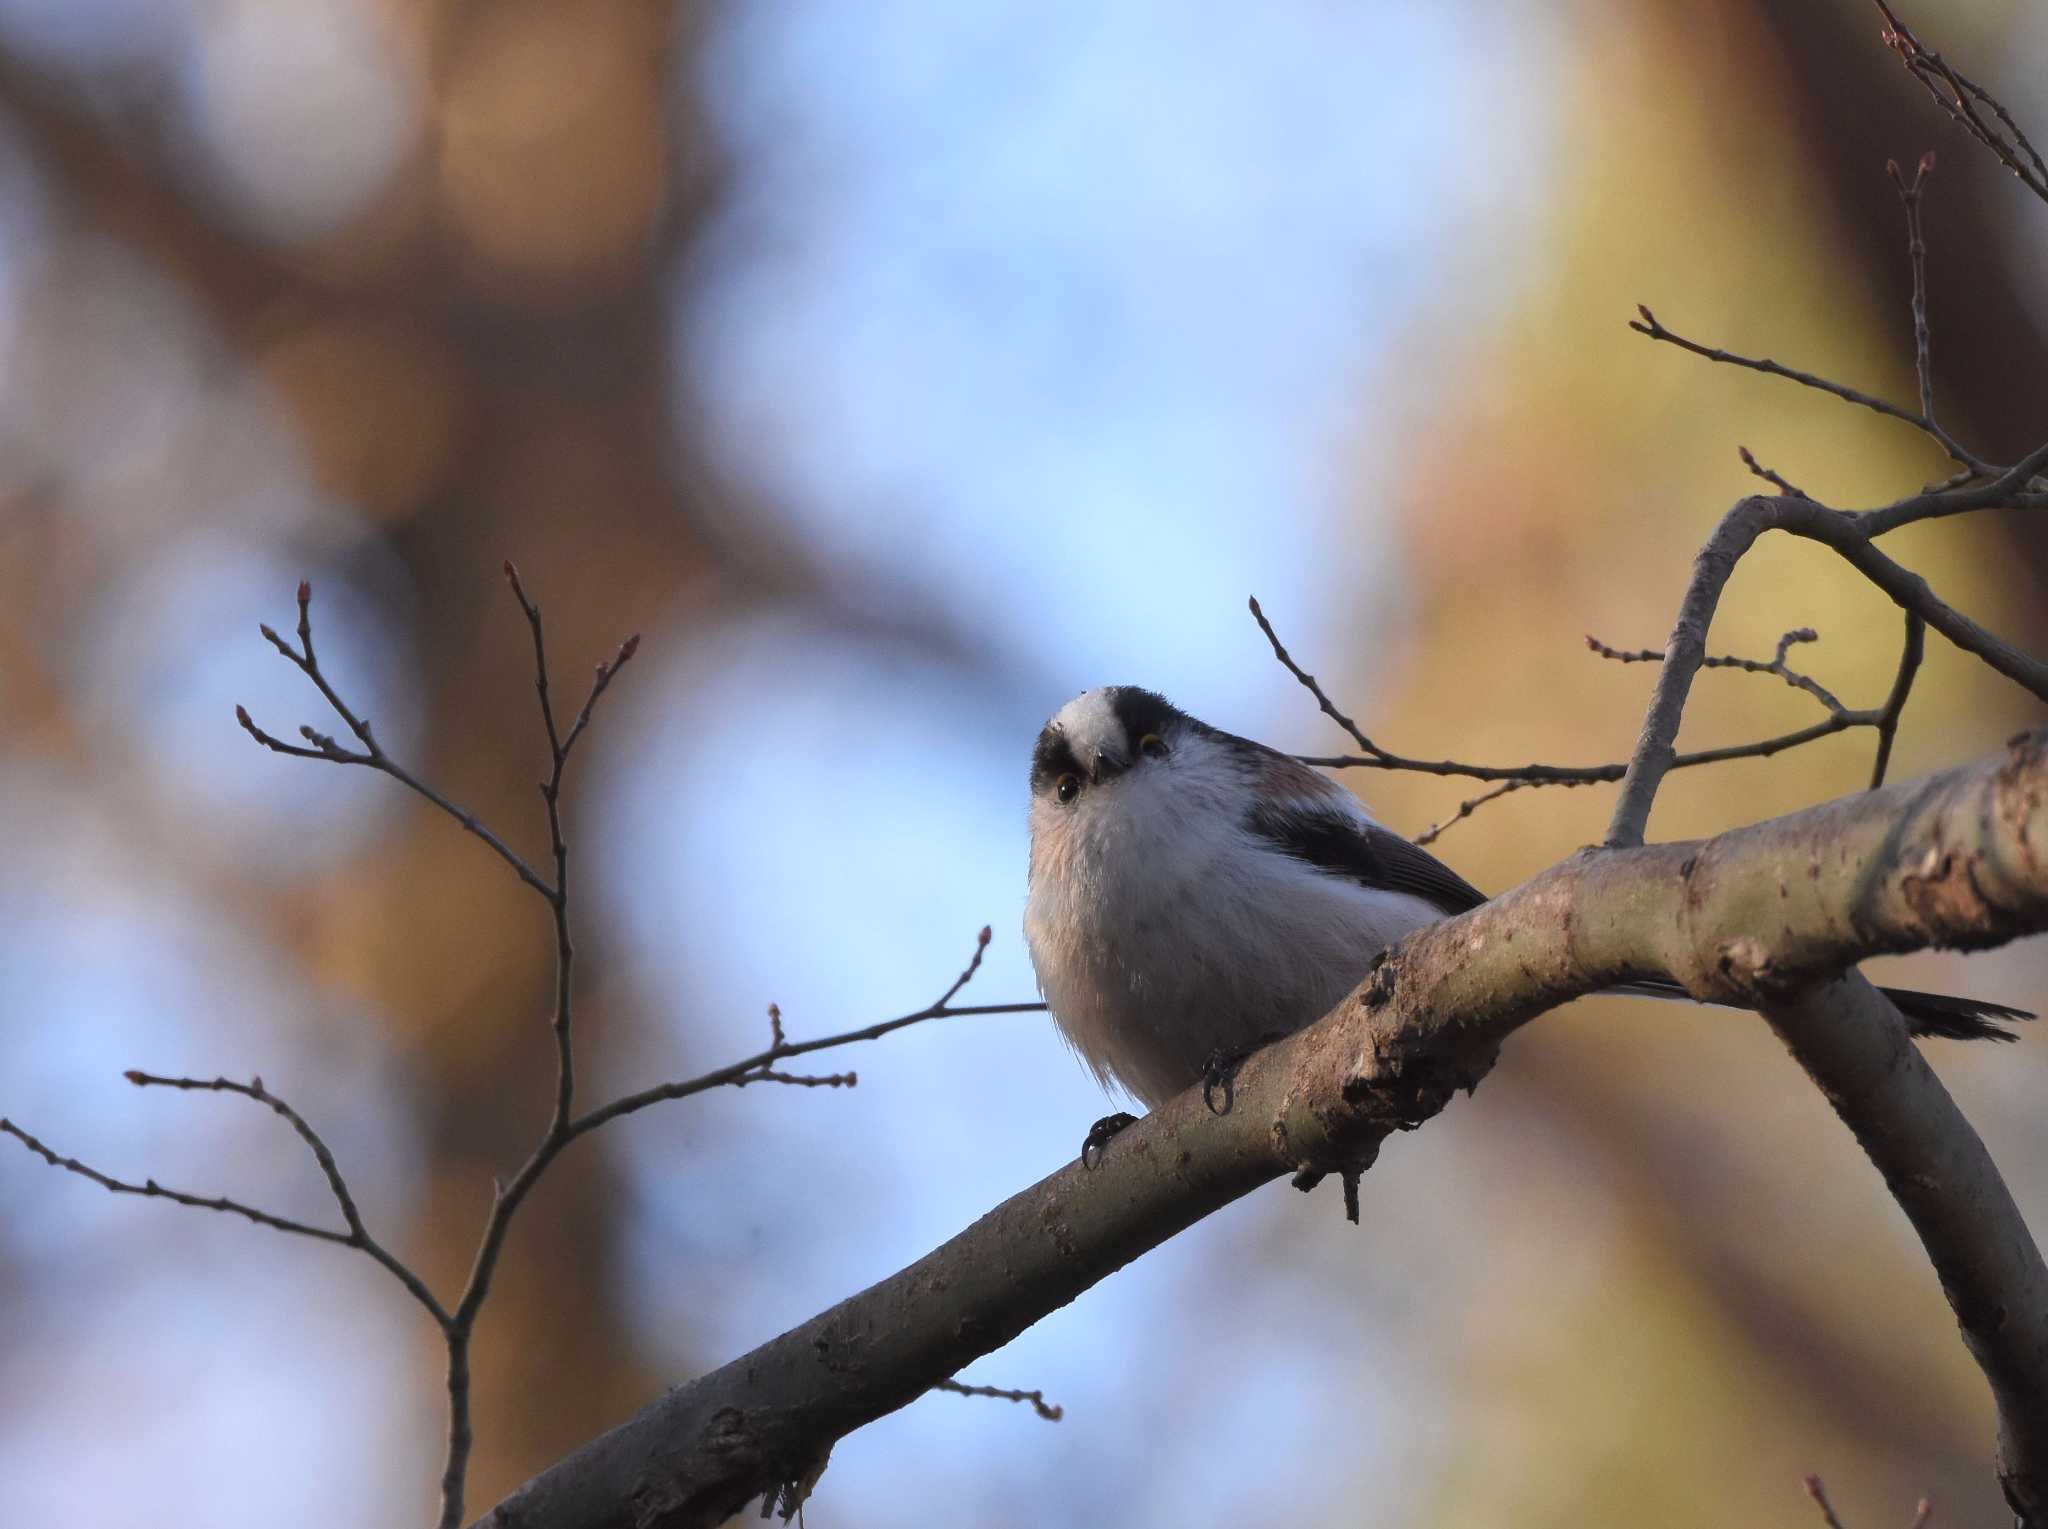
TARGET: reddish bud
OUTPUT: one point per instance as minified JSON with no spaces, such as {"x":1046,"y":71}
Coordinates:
{"x":985,"y":936}
{"x":629,"y":647}
{"x":267,"y":630}
{"x":1927,"y":163}
{"x":257,"y":1083}
{"x":242,"y":716}
{"x":305,"y":590}
{"x":1891,"y":168}
{"x":138,"y":1079}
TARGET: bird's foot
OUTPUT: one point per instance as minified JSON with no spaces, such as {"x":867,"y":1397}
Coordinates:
{"x":1219,"y":1073}
{"x":1100,"y":1135}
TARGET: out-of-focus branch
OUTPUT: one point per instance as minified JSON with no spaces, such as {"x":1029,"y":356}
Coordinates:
{"x":1961,"y":97}
{"x":1758,"y":915}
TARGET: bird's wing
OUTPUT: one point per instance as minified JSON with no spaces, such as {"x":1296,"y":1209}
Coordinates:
{"x":1314,"y":819}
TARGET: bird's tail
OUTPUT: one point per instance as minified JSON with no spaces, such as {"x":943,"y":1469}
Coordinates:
{"x":1955,"y":1019}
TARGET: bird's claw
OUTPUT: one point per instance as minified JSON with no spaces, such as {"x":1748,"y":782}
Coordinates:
{"x":1100,"y":1135}
{"x":1219,"y":1075}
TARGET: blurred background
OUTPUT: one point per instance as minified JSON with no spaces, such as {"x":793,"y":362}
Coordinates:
{"x":899,"y":371}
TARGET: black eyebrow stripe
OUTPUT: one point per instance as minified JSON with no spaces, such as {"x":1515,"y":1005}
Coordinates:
{"x":1052,"y":757}
{"x":1366,"y":853}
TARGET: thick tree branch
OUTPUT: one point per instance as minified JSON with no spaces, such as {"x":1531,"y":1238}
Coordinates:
{"x":1853,"y":1044}
{"x":1754,"y":916}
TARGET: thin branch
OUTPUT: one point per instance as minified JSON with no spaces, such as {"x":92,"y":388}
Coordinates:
{"x":151,"y":1189}
{"x":358,"y":1234}
{"x":1916,"y":256}
{"x":1850,"y":536}
{"x":564,"y":1126}
{"x":2013,"y":488}
{"x":1472,"y":804}
{"x":561,"y":1129}
{"x":1649,"y":325}
{"x":372,"y":755}
{"x":1774,"y":665}
{"x":1039,"y":1405}
{"x":1819,"y":1494}
{"x":1511,"y":778}
{"x":1911,"y":651}
{"x":1961,"y":100}
{"x":1780,"y":484}
{"x":1308,"y":682}
{"x":756,"y":1067}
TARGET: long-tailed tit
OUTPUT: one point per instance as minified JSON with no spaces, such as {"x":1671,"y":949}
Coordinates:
{"x":1194,"y":894}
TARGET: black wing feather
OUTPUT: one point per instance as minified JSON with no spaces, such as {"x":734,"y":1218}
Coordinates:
{"x":1364,"y":852}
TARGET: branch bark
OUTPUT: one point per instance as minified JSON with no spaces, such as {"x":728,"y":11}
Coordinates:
{"x":1767,"y":916}
{"x":1854,"y":1046}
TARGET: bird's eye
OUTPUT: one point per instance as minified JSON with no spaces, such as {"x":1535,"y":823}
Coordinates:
{"x":1152,"y":746}
{"x":1067,"y":787}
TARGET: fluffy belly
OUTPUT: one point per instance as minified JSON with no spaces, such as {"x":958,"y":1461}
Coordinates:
{"x":1148,"y":985}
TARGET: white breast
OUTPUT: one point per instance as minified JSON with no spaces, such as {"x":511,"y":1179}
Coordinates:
{"x":1163,"y":933}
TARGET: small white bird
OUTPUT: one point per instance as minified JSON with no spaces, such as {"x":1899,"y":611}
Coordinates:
{"x":1194,"y":894}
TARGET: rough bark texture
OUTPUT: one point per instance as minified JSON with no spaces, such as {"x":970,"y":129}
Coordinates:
{"x":1770,"y":915}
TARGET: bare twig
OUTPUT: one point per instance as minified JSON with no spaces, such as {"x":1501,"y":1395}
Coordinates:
{"x":1819,"y":1494}
{"x":756,"y":1067}
{"x":2017,"y":487}
{"x":1472,"y":804}
{"x":1774,"y":665}
{"x":1649,"y":325}
{"x":1511,"y":778}
{"x":1916,"y":255}
{"x":1780,"y":484}
{"x":564,"y":1125}
{"x":1961,"y":98}
{"x":1039,"y":1405}
{"x":372,"y":756}
{"x":1308,"y":682}
{"x":358,"y":1234}
{"x":1850,"y":536}
{"x":1910,"y":653}
{"x":155,"y":1191}
{"x":1377,"y":758}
